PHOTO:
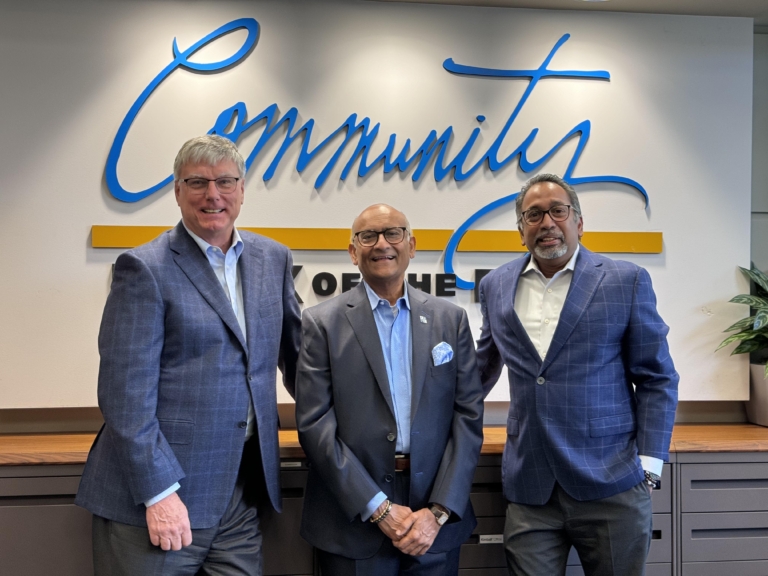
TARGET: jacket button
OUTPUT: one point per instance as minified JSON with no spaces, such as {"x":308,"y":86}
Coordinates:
{"x":390,"y":437}
{"x":250,"y":378}
{"x":242,"y":424}
{"x":388,"y":478}
{"x":540,"y":380}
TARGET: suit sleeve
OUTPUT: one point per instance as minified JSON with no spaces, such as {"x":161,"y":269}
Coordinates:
{"x":130,"y":344}
{"x":457,"y":467}
{"x":489,"y":361}
{"x":341,"y":471}
{"x":291,"y":333}
{"x":651,"y":370}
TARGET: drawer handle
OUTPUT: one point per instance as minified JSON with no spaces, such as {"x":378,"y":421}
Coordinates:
{"x":729,"y":533}
{"x":738,"y":484}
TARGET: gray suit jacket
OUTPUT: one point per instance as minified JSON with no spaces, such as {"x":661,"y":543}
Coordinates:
{"x":176,"y":377}
{"x":346,"y":423}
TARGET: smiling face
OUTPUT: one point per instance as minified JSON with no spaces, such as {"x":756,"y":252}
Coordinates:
{"x":551,"y":243}
{"x":210,"y":214}
{"x":382,"y":265}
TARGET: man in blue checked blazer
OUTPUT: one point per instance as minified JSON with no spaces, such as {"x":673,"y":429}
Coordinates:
{"x":593,"y":393}
{"x":195,"y":325}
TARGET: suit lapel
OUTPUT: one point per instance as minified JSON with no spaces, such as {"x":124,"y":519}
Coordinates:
{"x":587,"y":276}
{"x":251,"y":265}
{"x":195,"y":265}
{"x":360,"y":317}
{"x":508,"y":281}
{"x":421,"y":340}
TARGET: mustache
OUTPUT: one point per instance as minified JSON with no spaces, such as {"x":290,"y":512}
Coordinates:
{"x":551,"y":234}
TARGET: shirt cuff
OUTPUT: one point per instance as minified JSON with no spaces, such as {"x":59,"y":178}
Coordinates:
{"x":163,"y":494}
{"x":653,"y":465}
{"x":372,"y":505}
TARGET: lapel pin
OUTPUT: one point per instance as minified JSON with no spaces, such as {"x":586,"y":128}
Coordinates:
{"x":422,"y":319}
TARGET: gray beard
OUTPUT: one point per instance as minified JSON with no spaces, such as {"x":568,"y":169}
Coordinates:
{"x":550,"y":253}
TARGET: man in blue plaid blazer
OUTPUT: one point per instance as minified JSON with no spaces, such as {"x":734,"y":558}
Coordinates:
{"x":593,"y":393}
{"x":194,"y":327}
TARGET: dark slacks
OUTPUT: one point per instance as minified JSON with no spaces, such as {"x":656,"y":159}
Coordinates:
{"x":389,"y":561}
{"x":611,"y":535}
{"x":232,"y":548}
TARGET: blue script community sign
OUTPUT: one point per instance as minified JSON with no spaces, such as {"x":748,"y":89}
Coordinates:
{"x":361,"y":134}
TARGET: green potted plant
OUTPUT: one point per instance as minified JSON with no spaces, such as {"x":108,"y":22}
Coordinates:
{"x":752,"y":336}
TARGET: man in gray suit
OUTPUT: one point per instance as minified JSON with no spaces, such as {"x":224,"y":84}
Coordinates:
{"x":389,"y":410}
{"x":194,"y":327}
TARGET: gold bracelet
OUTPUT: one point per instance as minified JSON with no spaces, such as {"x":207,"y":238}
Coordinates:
{"x":384,"y":514}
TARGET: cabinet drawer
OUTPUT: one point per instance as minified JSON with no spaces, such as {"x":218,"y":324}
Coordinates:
{"x":488,"y":503}
{"x":474,"y":554}
{"x":759,"y":568}
{"x":662,"y":496}
{"x":724,"y":487}
{"x":483,"y":572}
{"x":724,"y":537}
{"x":43,"y":486}
{"x":650,"y":570}
{"x":661,"y":542}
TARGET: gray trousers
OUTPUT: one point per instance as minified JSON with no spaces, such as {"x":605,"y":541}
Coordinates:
{"x":611,"y":535}
{"x":232,"y":548}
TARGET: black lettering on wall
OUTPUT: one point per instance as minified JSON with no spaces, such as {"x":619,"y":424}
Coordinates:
{"x":295,"y":272}
{"x":425,"y":285}
{"x":327,"y":279}
{"x":349,"y":281}
{"x":445,"y":285}
{"x":480,"y":273}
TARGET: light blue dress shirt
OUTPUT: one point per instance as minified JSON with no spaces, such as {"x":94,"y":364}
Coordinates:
{"x":228,"y":275}
{"x":394,"y":326}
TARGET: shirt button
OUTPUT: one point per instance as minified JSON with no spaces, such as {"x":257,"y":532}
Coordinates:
{"x":540,"y":380}
{"x":242,"y":424}
{"x":391,"y":437}
{"x":388,"y":478}
{"x":550,"y":290}
{"x":546,"y":321}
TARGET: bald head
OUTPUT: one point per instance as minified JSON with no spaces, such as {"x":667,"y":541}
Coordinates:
{"x":381,"y":211}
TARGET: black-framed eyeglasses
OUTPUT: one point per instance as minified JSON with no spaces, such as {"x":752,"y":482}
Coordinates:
{"x":225,"y":184}
{"x":369,"y":238}
{"x":558,"y":213}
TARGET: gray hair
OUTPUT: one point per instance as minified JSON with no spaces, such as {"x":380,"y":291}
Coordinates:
{"x":209,"y":150}
{"x":555,"y":179}
{"x":352,"y":229}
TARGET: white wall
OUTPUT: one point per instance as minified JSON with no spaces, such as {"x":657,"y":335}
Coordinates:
{"x":675,"y":116}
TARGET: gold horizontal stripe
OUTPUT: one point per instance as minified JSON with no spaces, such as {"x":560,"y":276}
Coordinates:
{"x":429,"y":240}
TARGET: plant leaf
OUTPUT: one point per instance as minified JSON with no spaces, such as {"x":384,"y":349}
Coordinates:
{"x":765,"y":376}
{"x":748,"y":346}
{"x":741,"y":324}
{"x":757,"y":277}
{"x":752,"y":301}
{"x":761,"y":319}
{"x":748,"y":335}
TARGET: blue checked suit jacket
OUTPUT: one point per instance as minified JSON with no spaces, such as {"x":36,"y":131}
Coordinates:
{"x":176,"y":377}
{"x":574,"y":418}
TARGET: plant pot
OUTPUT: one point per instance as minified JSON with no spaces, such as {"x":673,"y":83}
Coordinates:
{"x":757,"y":405}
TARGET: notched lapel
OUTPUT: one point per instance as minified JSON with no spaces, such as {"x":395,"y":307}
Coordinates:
{"x":360,"y":317}
{"x":587,"y":276}
{"x":508,"y":290}
{"x":421,"y":339}
{"x":252,"y":279}
{"x":195,"y":265}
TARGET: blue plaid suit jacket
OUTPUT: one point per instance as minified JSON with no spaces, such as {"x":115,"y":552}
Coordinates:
{"x":574,"y":418}
{"x":176,"y":377}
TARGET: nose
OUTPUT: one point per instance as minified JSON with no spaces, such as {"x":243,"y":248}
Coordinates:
{"x":381,"y":242}
{"x":212,"y":191}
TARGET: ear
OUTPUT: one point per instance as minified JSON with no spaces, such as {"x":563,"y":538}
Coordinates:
{"x":177,"y":190}
{"x":580,"y":227}
{"x":352,"y":253}
{"x":412,"y":248}
{"x":522,"y":238}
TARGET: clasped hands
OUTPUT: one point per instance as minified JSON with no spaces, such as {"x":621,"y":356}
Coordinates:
{"x":411,"y":532}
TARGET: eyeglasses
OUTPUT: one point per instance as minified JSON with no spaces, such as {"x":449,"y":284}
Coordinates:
{"x":369,"y":238}
{"x":225,"y":184}
{"x":557,"y":213}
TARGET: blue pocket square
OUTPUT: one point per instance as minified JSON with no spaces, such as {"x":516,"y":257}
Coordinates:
{"x":442,"y":353}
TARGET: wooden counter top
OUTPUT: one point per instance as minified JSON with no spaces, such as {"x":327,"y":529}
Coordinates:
{"x":27,"y":449}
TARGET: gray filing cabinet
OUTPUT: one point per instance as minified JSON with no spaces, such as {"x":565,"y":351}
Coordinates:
{"x":723,"y":514}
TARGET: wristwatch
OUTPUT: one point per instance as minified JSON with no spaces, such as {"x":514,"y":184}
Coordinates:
{"x":440,"y":515}
{"x":651,"y":479}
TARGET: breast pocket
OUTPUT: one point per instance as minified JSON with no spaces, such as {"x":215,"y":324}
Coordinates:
{"x":446,"y":371}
